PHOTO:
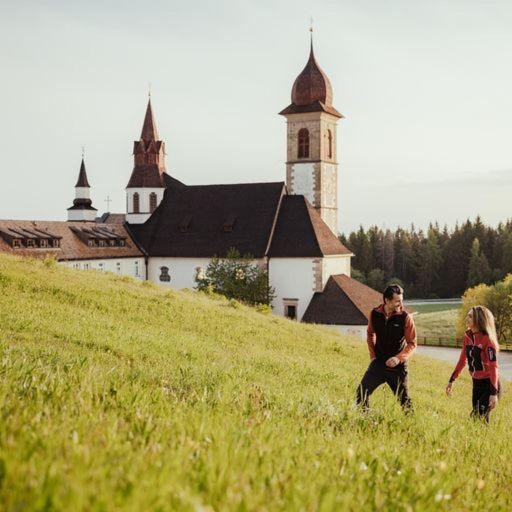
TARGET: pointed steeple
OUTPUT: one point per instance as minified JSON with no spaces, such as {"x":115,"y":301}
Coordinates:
{"x":82,"y":209}
{"x":82,"y":176}
{"x":149,"y":127}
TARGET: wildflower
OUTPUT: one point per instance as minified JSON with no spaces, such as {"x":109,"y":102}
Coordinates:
{"x":442,"y":465}
{"x":350,"y":452}
{"x":363,"y":466}
{"x":480,"y":484}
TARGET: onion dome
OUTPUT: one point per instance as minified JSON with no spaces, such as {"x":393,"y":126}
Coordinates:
{"x":312,"y":84}
{"x":311,"y":91}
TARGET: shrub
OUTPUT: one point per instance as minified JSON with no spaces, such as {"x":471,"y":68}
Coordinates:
{"x":236,"y":277}
{"x":498,"y":298}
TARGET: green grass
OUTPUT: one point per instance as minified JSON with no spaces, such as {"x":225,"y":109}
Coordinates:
{"x":117,"y":395}
{"x":437,"y":324}
{"x":434,"y":308}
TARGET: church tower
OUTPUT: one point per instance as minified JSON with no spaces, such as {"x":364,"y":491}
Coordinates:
{"x":82,"y":209}
{"x":312,"y":164}
{"x":146,"y":186}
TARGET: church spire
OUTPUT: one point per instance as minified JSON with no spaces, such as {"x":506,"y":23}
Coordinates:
{"x":82,"y":209}
{"x":82,"y":176}
{"x":149,"y":127}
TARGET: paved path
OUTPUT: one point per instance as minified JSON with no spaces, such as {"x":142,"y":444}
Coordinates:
{"x":451,"y":355}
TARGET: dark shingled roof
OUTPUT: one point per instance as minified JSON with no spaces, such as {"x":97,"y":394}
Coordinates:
{"x":301,"y":232}
{"x":146,"y":176}
{"x":207,"y":220}
{"x":344,"y":301}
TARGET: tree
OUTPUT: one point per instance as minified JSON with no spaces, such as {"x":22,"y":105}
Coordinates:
{"x":236,"y":277}
{"x":376,"y":279}
{"x":498,"y":298}
{"x":479,"y":270}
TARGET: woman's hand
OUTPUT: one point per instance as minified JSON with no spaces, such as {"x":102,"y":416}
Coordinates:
{"x":493,"y":401}
{"x":448,"y":389}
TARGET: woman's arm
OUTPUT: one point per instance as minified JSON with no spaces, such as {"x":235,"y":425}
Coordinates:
{"x":458,"y":368}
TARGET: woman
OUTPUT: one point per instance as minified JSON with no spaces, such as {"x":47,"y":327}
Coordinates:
{"x":480,"y":348}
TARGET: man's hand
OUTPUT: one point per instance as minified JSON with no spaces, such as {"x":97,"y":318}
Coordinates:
{"x":493,"y":401}
{"x":392,"y":362}
{"x":448,"y":389}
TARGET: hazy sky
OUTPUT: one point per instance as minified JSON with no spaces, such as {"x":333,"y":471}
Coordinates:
{"x":426,"y":88}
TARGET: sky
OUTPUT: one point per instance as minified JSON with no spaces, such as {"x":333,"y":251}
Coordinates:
{"x":425,"y":88}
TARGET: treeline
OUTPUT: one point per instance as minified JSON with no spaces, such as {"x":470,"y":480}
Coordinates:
{"x":435,"y":262}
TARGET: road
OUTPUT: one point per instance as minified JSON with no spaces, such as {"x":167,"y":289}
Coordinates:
{"x":451,"y":355}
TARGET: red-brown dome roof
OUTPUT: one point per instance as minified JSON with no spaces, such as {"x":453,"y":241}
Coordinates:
{"x":312,"y":85}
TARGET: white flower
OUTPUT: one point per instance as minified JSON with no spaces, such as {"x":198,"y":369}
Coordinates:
{"x":363,"y":466}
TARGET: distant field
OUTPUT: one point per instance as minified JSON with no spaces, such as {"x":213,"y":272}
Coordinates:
{"x":436,"y":324}
{"x":432,"y":308}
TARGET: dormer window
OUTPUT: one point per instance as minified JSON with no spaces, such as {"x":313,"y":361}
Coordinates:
{"x":102,"y":243}
{"x":136,"y":203}
{"x":30,"y":242}
{"x":303,"y":143}
{"x":90,"y":243}
{"x":16,"y":243}
{"x":43,"y":243}
{"x":56,"y":242}
{"x":112,"y":243}
{"x":152,"y":202}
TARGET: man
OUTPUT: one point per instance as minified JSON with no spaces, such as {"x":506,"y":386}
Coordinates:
{"x":391,"y":341}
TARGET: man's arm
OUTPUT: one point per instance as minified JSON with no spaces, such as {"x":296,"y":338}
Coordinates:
{"x":410,"y":339}
{"x":371,"y":338}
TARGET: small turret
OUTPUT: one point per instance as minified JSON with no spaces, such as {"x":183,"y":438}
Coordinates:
{"x":82,"y":209}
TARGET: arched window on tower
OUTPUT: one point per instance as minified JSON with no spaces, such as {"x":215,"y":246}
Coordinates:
{"x":303,"y":143}
{"x":136,"y":203}
{"x":152,"y":202}
{"x":329,"y":144}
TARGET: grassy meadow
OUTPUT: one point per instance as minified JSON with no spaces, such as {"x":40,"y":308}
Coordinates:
{"x":121,"y":395}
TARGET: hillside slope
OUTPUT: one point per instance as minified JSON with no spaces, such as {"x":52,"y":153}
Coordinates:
{"x":120,"y":395}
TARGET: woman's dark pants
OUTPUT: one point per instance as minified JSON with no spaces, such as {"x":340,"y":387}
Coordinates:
{"x":481,"y":392}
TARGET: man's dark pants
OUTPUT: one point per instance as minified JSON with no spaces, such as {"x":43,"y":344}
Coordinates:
{"x":378,"y":373}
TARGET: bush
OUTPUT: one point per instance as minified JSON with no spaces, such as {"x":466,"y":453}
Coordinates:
{"x":498,"y":298}
{"x":236,"y":277}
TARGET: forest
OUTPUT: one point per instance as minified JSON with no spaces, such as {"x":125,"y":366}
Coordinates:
{"x":432,"y":263}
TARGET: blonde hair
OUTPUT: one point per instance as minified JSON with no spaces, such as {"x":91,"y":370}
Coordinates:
{"x":484,"y":322}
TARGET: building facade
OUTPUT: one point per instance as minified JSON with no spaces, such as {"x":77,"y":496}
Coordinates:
{"x":171,"y":231}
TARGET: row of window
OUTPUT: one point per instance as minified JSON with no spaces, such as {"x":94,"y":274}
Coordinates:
{"x":31,"y":243}
{"x":153,"y":200}
{"x":93,"y":242}
{"x":303,"y":146}
{"x":101,"y":267}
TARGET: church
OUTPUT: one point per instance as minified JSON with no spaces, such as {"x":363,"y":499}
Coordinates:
{"x":170,"y":230}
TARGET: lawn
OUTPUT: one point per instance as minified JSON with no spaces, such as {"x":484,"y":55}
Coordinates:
{"x":120,"y":395}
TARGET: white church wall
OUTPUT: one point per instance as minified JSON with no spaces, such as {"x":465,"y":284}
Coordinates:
{"x":332,"y":265}
{"x":81,"y":215}
{"x":292,"y":278}
{"x":144,"y":207}
{"x":303,"y":180}
{"x":182,"y":271}
{"x":133,"y":267}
